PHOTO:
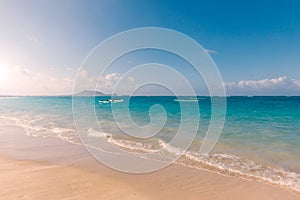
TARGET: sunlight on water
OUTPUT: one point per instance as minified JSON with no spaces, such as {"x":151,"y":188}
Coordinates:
{"x":260,"y":139}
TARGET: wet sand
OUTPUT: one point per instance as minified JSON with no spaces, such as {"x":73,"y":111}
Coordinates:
{"x":48,"y":168}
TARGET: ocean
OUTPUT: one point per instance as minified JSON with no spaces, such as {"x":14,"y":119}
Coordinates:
{"x":260,"y":139}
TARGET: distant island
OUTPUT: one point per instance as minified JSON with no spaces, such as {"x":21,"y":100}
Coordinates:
{"x":90,"y":93}
{"x":84,"y":93}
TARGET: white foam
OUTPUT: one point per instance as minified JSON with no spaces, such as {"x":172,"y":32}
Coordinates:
{"x":236,"y":166}
{"x":66,"y":134}
{"x":134,"y":146}
{"x":9,"y":97}
{"x":93,"y":133}
{"x":225,"y":164}
{"x":170,"y":148}
{"x":126,"y":144}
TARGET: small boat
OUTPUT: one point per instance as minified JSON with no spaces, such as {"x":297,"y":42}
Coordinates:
{"x":187,"y":100}
{"x":116,"y":100}
{"x":104,"y":101}
{"x":111,"y":101}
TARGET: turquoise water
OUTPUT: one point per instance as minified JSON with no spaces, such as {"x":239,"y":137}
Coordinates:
{"x":260,"y":139}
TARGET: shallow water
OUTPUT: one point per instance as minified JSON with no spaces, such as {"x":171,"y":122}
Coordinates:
{"x":260,"y":139}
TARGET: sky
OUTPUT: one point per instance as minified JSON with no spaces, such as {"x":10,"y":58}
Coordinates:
{"x":255,"y":44}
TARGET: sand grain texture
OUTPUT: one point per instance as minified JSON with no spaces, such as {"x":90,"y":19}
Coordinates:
{"x":47,"y":168}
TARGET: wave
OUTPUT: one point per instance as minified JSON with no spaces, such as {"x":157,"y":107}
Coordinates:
{"x":224,"y":164}
{"x":91,"y":132}
{"x":31,"y":129}
{"x":133,"y":146}
{"x":7,"y":97}
{"x":232,"y":165}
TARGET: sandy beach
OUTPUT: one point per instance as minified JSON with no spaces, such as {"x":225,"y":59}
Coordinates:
{"x":48,"y":168}
{"x":149,"y":100}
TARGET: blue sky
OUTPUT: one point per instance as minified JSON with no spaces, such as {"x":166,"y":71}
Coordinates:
{"x":255,"y":44}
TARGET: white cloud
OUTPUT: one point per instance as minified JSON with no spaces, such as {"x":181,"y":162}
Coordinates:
{"x":130,"y":78}
{"x":281,"y":83}
{"x":261,"y":84}
{"x":83,"y":74}
{"x":85,"y":81}
{"x":210,"y":51}
{"x":296,"y":82}
{"x":22,"y":70}
{"x":112,"y":77}
{"x":20,"y":80}
{"x":106,"y":84}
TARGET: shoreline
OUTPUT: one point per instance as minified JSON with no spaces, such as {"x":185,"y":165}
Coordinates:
{"x":51,"y":168}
